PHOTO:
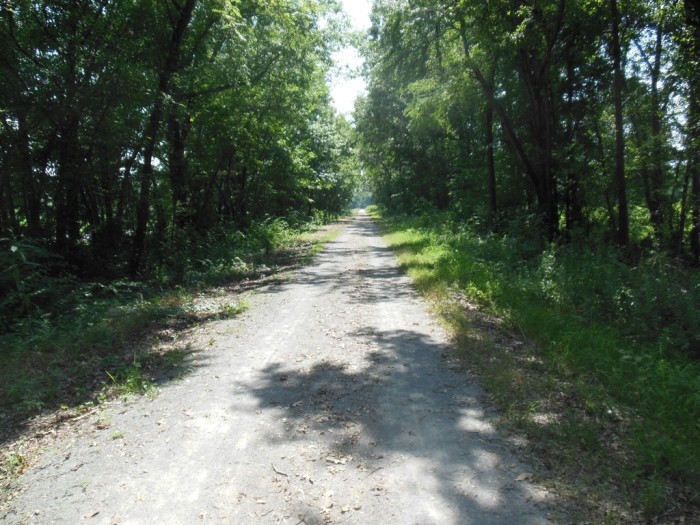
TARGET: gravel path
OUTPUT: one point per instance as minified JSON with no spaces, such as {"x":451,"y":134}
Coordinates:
{"x":329,"y":401}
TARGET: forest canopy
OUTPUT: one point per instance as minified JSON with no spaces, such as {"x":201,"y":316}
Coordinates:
{"x":131,"y":127}
{"x":575,"y":117}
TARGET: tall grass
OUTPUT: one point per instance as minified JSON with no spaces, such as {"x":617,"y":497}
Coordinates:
{"x":628,"y":333}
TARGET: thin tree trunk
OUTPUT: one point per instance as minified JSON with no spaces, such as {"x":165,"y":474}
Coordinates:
{"x":490,"y":162}
{"x":8,"y":220}
{"x":653,"y":176}
{"x":692,"y":50}
{"x":177,"y":134}
{"x":623,"y":228}
{"x":67,"y":195}
{"x":507,"y":125}
{"x":31,"y":195}
{"x":124,"y":189}
{"x":694,"y":169}
{"x":658,"y":210}
{"x":679,"y":232}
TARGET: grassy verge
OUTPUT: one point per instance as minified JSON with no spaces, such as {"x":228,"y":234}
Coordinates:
{"x":585,"y":356}
{"x":88,"y":343}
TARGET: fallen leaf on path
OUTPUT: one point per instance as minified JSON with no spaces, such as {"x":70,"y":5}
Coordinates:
{"x":343,"y":460}
{"x":525,"y":476}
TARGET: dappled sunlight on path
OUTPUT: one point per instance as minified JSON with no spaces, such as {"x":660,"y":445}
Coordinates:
{"x":332,"y":400}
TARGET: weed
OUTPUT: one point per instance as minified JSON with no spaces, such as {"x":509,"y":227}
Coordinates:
{"x":654,"y":497}
{"x":229,"y":311}
{"x":14,"y":463}
{"x":131,"y":380}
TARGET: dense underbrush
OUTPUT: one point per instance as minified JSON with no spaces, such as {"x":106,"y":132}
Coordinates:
{"x":626,"y":336}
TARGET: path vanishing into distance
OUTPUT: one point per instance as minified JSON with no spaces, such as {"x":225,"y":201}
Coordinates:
{"x":330,"y":400}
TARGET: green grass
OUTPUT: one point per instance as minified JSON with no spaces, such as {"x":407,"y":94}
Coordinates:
{"x":614,"y":348}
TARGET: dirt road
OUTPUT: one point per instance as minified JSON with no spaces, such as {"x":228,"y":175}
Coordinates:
{"x":329,"y":401}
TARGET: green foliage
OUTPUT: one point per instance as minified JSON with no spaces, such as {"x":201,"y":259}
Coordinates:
{"x":121,"y":165}
{"x":234,"y":309}
{"x":224,"y":253}
{"x":630,"y":331}
{"x":28,"y":279}
{"x":504,"y":111}
{"x":13,"y":464}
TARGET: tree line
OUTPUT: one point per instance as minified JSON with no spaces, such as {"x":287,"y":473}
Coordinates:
{"x":561,"y":117}
{"x":128,"y":125}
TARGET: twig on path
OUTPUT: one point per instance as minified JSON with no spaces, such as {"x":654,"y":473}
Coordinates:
{"x":279,"y":472}
{"x":375,"y":470}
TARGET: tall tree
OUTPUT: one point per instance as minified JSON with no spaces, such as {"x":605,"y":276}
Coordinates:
{"x":129,"y":126}
{"x":182,"y":16}
{"x":586,"y":100}
{"x":692,"y":58}
{"x":623,"y":228}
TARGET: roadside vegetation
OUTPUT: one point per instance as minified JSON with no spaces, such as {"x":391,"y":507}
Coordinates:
{"x":81,"y":341}
{"x":537,"y":165}
{"x":609,"y":393}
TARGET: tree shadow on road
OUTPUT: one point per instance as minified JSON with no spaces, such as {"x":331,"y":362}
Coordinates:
{"x":401,"y":405}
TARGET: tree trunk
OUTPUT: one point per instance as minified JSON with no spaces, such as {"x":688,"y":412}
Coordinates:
{"x":490,"y":162}
{"x":506,"y":124}
{"x":177,"y":135}
{"x":67,"y":196}
{"x":692,"y":50}
{"x":657,"y":199}
{"x":623,"y":228}
{"x":31,"y":194}
{"x":8,"y":220}
{"x":679,"y":231}
{"x":171,"y":67}
{"x":694,"y":170}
